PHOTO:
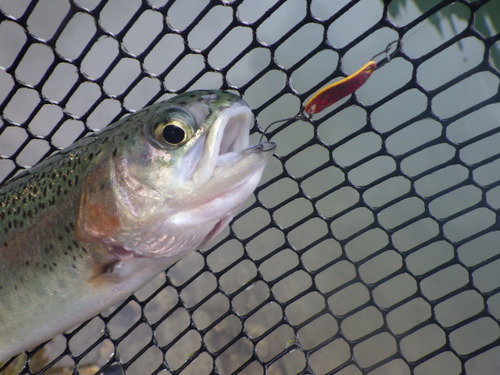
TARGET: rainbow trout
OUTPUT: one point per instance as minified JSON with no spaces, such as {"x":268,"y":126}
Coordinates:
{"x":93,"y":223}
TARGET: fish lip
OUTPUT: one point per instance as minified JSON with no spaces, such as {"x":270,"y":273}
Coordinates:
{"x":119,"y":253}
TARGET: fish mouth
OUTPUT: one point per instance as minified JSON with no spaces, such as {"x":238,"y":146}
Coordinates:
{"x":235,"y":132}
{"x":228,"y":172}
{"x":228,"y":168}
{"x":226,"y":139}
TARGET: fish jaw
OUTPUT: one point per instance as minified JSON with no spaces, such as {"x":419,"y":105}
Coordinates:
{"x":207,"y":214}
{"x":161,"y":203}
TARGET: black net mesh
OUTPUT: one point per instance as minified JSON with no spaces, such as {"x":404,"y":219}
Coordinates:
{"x":372,"y":244}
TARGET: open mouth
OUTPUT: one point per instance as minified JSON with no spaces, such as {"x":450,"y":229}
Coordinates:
{"x":235,"y":135}
{"x":225,"y":141}
{"x":234,"y":138}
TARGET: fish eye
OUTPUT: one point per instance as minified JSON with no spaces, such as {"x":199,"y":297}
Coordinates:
{"x":171,"y":133}
{"x":172,"y":128}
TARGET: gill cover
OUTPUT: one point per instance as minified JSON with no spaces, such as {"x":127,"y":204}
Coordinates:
{"x":101,"y":209}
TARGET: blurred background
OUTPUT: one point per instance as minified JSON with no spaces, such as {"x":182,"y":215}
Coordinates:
{"x":372,"y":244}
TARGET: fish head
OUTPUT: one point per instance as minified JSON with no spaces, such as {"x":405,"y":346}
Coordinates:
{"x":176,"y":174}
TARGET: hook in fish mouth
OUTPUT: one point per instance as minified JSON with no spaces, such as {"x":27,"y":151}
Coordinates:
{"x":227,"y":137}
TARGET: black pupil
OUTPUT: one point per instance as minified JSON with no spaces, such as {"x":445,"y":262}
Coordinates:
{"x":173,"y":134}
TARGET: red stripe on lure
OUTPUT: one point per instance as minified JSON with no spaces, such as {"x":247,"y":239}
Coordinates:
{"x":330,"y":94}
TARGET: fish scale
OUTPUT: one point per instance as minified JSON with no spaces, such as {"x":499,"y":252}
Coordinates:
{"x":90,"y":225}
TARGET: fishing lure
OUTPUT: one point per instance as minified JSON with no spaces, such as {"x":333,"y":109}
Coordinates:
{"x":332,"y":93}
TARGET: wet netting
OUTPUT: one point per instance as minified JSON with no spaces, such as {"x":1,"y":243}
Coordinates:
{"x":372,"y":244}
